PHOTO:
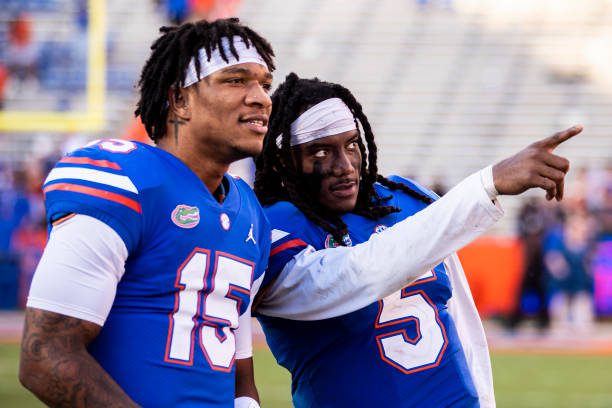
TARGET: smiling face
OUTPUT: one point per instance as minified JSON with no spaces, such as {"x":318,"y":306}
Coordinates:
{"x":332,"y":165}
{"x":229,"y":111}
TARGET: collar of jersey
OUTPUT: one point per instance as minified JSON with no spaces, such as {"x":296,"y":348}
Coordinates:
{"x":231,"y":204}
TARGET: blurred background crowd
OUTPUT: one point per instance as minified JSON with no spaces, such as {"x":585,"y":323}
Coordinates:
{"x":449,"y":86}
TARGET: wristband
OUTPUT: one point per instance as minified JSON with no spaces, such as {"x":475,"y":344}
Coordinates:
{"x":486,"y":178}
{"x":245,"y":402}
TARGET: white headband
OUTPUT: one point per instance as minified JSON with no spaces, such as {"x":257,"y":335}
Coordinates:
{"x":216,"y":63}
{"x":326,"y":118}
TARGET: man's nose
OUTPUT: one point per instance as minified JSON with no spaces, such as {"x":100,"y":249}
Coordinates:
{"x":257,"y":95}
{"x":342,"y":164}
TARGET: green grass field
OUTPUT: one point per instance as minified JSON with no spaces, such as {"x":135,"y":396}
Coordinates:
{"x":521,"y":380}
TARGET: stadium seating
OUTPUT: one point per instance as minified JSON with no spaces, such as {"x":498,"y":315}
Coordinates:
{"x":448,"y":88}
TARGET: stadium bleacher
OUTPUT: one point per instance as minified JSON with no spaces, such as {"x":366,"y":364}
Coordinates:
{"x":449,"y":90}
{"x":448,"y":86}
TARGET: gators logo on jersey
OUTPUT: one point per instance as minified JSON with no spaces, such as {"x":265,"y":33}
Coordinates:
{"x":186,"y":216}
{"x":330,"y":241}
{"x":379,"y":228}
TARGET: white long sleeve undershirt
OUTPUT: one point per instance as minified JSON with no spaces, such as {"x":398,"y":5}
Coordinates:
{"x":81,"y":266}
{"x":354,"y":277}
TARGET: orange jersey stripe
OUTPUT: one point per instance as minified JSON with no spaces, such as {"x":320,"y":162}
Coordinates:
{"x":85,"y":160}
{"x":96,"y":192}
{"x":60,"y":220}
{"x":286,"y":245}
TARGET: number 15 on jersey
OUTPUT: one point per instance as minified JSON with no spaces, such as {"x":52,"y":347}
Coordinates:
{"x":209,"y":300}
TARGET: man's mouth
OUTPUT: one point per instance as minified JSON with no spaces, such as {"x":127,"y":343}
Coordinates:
{"x":344,"y":189}
{"x":256,"y":123}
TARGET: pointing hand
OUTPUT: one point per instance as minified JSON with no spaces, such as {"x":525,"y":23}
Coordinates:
{"x":535,"y":166}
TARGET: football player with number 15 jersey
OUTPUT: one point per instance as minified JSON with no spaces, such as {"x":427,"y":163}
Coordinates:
{"x":189,"y":261}
{"x":143,"y":294}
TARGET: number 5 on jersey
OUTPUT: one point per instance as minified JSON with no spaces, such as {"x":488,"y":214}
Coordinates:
{"x":410,"y":355}
{"x":210,"y":304}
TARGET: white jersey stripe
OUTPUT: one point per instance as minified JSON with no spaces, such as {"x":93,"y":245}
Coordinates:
{"x":278,"y":234}
{"x":96,"y":176}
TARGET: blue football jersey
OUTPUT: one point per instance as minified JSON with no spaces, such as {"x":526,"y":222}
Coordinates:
{"x":169,"y":338}
{"x":401,"y":351}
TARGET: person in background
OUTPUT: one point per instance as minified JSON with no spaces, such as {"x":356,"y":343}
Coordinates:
{"x":4,"y":76}
{"x":22,"y":52}
{"x":532,"y":296}
{"x":568,"y":256}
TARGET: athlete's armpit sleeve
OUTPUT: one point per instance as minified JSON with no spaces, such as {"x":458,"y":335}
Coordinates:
{"x":79,"y":270}
{"x":244,"y":337}
{"x":471,"y":332}
{"x":244,"y":332}
{"x":331,"y":282}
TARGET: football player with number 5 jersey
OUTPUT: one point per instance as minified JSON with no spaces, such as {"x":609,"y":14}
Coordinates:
{"x":143,"y":294}
{"x":386,"y":318}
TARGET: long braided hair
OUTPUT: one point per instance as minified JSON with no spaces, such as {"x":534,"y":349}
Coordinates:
{"x":278,"y":179}
{"x":170,"y":57}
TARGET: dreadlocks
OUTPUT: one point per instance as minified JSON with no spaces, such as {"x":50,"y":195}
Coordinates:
{"x":278,"y":179}
{"x":170,"y":57}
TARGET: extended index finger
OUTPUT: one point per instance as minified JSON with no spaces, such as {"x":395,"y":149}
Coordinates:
{"x":551,"y":142}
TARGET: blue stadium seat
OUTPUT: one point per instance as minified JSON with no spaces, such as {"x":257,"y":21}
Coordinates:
{"x":28,"y":5}
{"x":9,"y":273}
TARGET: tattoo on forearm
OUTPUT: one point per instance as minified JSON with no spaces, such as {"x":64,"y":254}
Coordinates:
{"x":56,"y":366}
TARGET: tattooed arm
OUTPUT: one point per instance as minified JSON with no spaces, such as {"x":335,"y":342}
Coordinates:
{"x":57,"y":368}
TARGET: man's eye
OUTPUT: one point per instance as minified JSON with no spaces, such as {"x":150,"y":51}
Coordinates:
{"x":267,"y":87}
{"x":353,"y":146}
{"x":320,"y":154}
{"x":234,"y":81}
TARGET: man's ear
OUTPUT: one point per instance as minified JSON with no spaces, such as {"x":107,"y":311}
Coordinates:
{"x":179,"y":103}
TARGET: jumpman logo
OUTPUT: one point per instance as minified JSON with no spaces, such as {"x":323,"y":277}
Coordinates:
{"x":250,"y":237}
